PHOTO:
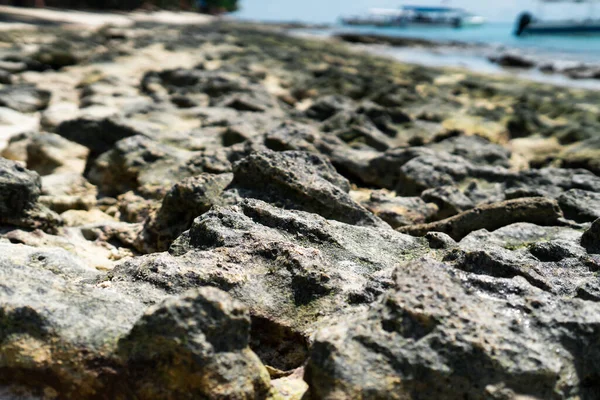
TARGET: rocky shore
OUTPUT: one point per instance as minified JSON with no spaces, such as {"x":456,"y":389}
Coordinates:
{"x":510,"y":59}
{"x":225,"y":212}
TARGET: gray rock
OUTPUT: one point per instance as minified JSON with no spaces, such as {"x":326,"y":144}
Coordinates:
{"x":6,"y":77}
{"x":449,"y":199}
{"x":98,"y":134}
{"x":213,"y":83}
{"x":185,"y":201}
{"x":385,"y":119}
{"x":550,"y":258}
{"x":200,"y":339}
{"x":326,"y":107}
{"x":537,"y":210}
{"x":24,"y":98}
{"x":19,"y":188}
{"x":435,"y":170}
{"x":48,"y":153}
{"x":591,"y":238}
{"x":513,"y":61}
{"x":66,"y":331}
{"x":476,"y":149}
{"x":136,"y":161}
{"x":301,"y":181}
{"x":255,"y":100}
{"x":58,"y":331}
{"x":56,"y":57}
{"x":441,"y":333}
{"x":580,"y":205}
{"x":305,"y":268}
{"x":400,"y":211}
{"x":355,"y":128}
{"x":383,"y":170}
{"x":439,"y":240}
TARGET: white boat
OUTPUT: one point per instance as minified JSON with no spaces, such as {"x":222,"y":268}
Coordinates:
{"x":440,"y":16}
{"x":377,"y":17}
{"x":417,"y":16}
{"x":528,"y":24}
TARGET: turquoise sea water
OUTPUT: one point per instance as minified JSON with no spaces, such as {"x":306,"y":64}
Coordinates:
{"x":573,"y":47}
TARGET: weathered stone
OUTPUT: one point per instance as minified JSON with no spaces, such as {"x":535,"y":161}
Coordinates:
{"x":591,"y":238}
{"x":580,"y":205}
{"x":441,"y":333}
{"x":19,"y":188}
{"x":185,"y":201}
{"x":449,"y":199}
{"x":326,"y":107}
{"x":476,"y":149}
{"x":24,"y":98}
{"x":550,"y":258}
{"x":55,"y":57}
{"x":305,"y":267}
{"x":584,"y":154}
{"x":194,"y":346}
{"x":302,"y":181}
{"x":137,"y":161}
{"x":57,"y":331}
{"x":68,"y":191}
{"x":513,"y":61}
{"x":97,"y":134}
{"x":398,"y":211}
{"x":353,"y":128}
{"x":536,"y":210}
{"x":48,"y":153}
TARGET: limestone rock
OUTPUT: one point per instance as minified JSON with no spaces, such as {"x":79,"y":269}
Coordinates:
{"x":19,"y":188}
{"x":194,"y":346}
{"x":591,"y":238}
{"x":580,"y":205}
{"x":25,"y":99}
{"x":48,"y":153}
{"x":302,"y":181}
{"x":493,"y":216}
{"x":185,"y":201}
{"x":305,"y":267}
{"x":440,"y":333}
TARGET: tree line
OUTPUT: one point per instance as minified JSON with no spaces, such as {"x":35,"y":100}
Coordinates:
{"x":207,"y":6}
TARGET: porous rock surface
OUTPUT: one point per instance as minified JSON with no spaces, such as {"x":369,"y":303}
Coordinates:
{"x":224,"y":211}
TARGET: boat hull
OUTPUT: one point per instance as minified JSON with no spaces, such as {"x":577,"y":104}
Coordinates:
{"x":562,"y":30}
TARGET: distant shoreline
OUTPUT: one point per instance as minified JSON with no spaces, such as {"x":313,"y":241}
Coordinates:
{"x":474,"y":56}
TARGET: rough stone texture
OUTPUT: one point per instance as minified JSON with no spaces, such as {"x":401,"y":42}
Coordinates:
{"x":493,"y":216}
{"x":302,"y":181}
{"x":449,"y":199}
{"x":398,"y":211}
{"x":54,"y":329}
{"x":185,"y":201}
{"x":67,"y":334}
{"x":591,"y":238}
{"x":518,"y":340}
{"x":67,"y":191}
{"x":19,"y":188}
{"x":137,"y":161}
{"x":304,"y":266}
{"x":194,"y":346}
{"x":580,"y":205}
{"x":475,"y":149}
{"x":271,"y":167}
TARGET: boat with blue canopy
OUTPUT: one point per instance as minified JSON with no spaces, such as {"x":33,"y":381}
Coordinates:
{"x":411,"y":15}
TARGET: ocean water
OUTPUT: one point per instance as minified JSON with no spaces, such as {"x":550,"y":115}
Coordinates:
{"x":500,"y":36}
